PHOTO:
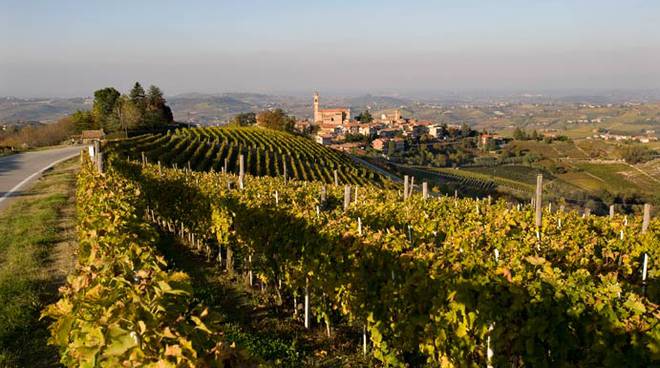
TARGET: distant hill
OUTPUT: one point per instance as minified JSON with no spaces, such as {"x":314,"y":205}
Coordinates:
{"x":377,"y":102}
{"x":14,"y":110}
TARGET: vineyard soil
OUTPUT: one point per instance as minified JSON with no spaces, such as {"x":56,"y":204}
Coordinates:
{"x":256,"y":321}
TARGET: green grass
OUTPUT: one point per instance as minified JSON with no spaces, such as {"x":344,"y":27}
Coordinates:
{"x":511,"y":183}
{"x":523,"y":174}
{"x":29,"y":231}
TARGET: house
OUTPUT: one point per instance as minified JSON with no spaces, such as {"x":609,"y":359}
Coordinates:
{"x":330,"y":129}
{"x":382,"y":144}
{"x":303,"y":126}
{"x":351,"y":127}
{"x":379,"y":143}
{"x":436,"y":131}
{"x":420,"y":128}
{"x":89,"y":136}
{"x":324,"y":139}
{"x":485,"y":139}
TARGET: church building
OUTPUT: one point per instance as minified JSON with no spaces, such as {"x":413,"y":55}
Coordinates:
{"x":330,"y":116}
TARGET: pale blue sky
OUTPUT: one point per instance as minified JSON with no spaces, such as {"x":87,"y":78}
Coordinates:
{"x":70,"y":48}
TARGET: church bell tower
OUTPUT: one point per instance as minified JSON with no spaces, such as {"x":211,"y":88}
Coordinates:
{"x":317,"y":118}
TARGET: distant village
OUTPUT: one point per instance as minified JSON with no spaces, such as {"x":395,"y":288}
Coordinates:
{"x":388,"y":132}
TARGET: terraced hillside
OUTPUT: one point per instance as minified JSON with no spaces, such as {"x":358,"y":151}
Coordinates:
{"x":266,"y":153}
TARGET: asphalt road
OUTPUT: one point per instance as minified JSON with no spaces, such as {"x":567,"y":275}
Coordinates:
{"x":18,"y":172}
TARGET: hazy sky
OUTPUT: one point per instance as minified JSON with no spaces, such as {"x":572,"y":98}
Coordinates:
{"x":70,"y":48}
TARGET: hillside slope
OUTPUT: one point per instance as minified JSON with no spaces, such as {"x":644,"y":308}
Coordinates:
{"x":266,"y":153}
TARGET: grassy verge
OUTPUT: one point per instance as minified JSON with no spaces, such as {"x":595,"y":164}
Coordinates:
{"x":36,"y":252}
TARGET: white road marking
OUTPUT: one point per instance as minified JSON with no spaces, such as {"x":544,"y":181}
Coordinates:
{"x":19,"y":185}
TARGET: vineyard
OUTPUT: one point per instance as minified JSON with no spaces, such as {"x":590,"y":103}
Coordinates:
{"x":266,"y":153}
{"x":420,"y":281}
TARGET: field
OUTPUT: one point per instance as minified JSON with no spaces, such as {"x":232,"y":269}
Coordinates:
{"x":555,"y":150}
{"x":186,"y":268}
{"x":517,"y":173}
{"x":266,"y":153}
{"x":613,"y":177}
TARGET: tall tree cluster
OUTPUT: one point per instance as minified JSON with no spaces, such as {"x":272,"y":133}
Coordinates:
{"x":112,"y":111}
{"x":276,"y":119}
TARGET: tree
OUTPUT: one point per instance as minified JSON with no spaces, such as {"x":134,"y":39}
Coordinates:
{"x":155,"y":97}
{"x":276,"y":119}
{"x":465,"y":130}
{"x":157,"y":112}
{"x":132,"y":114}
{"x":244,"y":119}
{"x":635,"y":154}
{"x":83,"y":120}
{"x":138,"y":96}
{"x":519,"y":134}
{"x":391,"y":148}
{"x":104,"y":108}
{"x":365,"y":117}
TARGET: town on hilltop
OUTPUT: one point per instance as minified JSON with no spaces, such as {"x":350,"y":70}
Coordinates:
{"x":337,"y":128}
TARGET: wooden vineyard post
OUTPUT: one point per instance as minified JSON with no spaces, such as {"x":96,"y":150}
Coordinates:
{"x":226,"y":166}
{"x":144,"y":159}
{"x":455,"y":193}
{"x":411,"y":186}
{"x":323,"y":194}
{"x":425,"y":190}
{"x":284,"y":167}
{"x":645,"y":226}
{"x":160,"y":170}
{"x":647,"y":218}
{"x":347,"y":197}
{"x":611,"y":211}
{"x":334,"y":172}
{"x":189,"y":167}
{"x":356,"y":194}
{"x":99,"y":162}
{"x":230,"y":260}
{"x":241,"y":170}
{"x":538,"y":200}
{"x":405,"y":187}
{"x":98,"y":156}
{"x":250,"y":269}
